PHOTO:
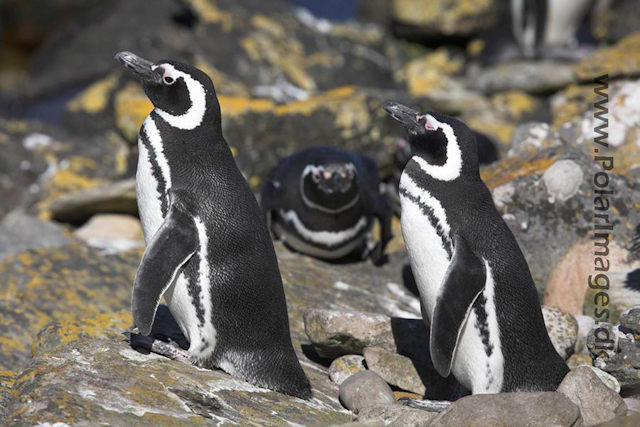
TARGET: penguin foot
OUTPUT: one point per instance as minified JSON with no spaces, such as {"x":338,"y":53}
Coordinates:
{"x":169,"y":349}
{"x":425,"y":404}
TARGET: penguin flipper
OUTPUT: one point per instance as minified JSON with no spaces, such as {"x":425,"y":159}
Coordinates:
{"x":463,"y":282}
{"x":173,"y":244}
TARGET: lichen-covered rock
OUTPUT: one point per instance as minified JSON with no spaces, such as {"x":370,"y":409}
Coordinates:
{"x":620,"y":60}
{"x":539,"y":77}
{"x":345,"y":366}
{"x":335,"y":333}
{"x":579,"y":360}
{"x":102,"y":380}
{"x":365,"y":389}
{"x":65,"y":283}
{"x":630,"y":319}
{"x":602,"y":340}
{"x":597,"y":402}
{"x":396,"y":415}
{"x":533,"y":213}
{"x":562,"y":329}
{"x":624,"y":364}
{"x":6,"y":382}
{"x":433,"y":18}
{"x":510,"y":409}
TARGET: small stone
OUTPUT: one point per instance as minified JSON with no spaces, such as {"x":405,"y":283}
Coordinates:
{"x":20,"y":232}
{"x":510,"y":409}
{"x":585,"y":324}
{"x":530,"y":77}
{"x":345,"y":366}
{"x":562,"y":329}
{"x":579,"y":360}
{"x":397,"y":415}
{"x":365,"y":389}
{"x":633,"y":405}
{"x":597,"y":402}
{"x":603,"y":340}
{"x":110,"y":226}
{"x":608,"y":379}
{"x":624,"y":365}
{"x":563,"y":179}
{"x":630,"y":319}
{"x":335,"y":333}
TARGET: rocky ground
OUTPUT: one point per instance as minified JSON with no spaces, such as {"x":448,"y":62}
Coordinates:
{"x":70,"y":241}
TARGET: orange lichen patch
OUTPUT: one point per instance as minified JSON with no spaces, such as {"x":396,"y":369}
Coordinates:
{"x":224,"y":84}
{"x":514,"y":104}
{"x":63,"y":332}
{"x":627,"y":157}
{"x":623,"y":59}
{"x":430,"y":72}
{"x":475,"y":47}
{"x":131,"y":109}
{"x":209,"y":12}
{"x":235,"y":106}
{"x":448,"y":16}
{"x":75,"y":177}
{"x":510,"y":169}
{"x":95,"y":98}
{"x":502,"y":131}
{"x":573,"y":101}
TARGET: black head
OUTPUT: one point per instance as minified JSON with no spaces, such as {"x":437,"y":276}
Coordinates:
{"x":331,"y":187}
{"x":181,"y":94}
{"x":444,"y":147}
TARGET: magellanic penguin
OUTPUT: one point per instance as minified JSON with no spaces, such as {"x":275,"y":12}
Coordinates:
{"x":322,"y":201}
{"x":208,"y":249}
{"x":475,"y":286}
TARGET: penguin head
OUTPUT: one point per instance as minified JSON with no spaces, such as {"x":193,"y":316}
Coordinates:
{"x":181,"y":94}
{"x":329,"y":186}
{"x":443,"y":147}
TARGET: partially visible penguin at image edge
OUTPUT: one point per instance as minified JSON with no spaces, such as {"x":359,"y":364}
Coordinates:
{"x":208,"y":249}
{"x":476,"y":290}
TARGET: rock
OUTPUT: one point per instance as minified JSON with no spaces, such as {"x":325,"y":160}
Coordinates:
{"x":20,"y":232}
{"x":607,"y":379}
{"x":406,"y":374}
{"x":6,"y":382}
{"x":104,"y":380}
{"x":633,"y":406}
{"x":630,"y":421}
{"x":540,"y":77}
{"x":336,"y":333}
{"x":64,"y":283}
{"x":603,"y":339}
{"x":563,"y":179}
{"x":624,"y":365}
{"x":630,"y":319}
{"x":437,"y":18}
{"x":562,"y":329}
{"x":345,"y":366}
{"x":365,"y":389}
{"x":597,"y":402}
{"x":585,"y":324}
{"x":533,"y":215}
{"x":579,"y":360}
{"x":620,"y":60}
{"x":396,"y":415}
{"x":113,"y":232}
{"x":616,"y":20}
{"x":117,"y":197}
{"x":510,"y":409}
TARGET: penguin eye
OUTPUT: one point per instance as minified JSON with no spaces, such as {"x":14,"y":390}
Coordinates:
{"x":168,"y":80}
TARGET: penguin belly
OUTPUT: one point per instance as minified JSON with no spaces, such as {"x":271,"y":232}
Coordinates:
{"x":476,"y":365}
{"x":150,"y":210}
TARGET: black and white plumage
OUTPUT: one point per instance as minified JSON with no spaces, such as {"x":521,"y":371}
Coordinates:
{"x":322,"y":201}
{"x":209,"y":252}
{"x":474,"y":283}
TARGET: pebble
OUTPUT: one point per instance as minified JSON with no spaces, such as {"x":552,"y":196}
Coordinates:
{"x":630,"y":319}
{"x":562,"y":329}
{"x":397,"y":415}
{"x":363,"y":390}
{"x":345,"y":366}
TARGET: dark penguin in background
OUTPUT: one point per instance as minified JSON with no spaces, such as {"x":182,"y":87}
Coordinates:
{"x":474,"y":283}
{"x":322,"y":201}
{"x":208,"y":250}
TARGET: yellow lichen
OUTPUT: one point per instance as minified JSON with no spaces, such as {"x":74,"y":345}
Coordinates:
{"x":429,"y":72}
{"x":510,"y":169}
{"x":95,"y":98}
{"x":209,"y":12}
{"x":131,"y":109}
{"x":446,"y":15}
{"x":570,"y":103}
{"x":623,"y":59}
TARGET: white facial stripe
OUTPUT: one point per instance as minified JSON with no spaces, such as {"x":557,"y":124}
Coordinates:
{"x":153,"y":134}
{"x":194,"y":115}
{"x":208,"y":331}
{"x":329,"y":238}
{"x":309,"y":169}
{"x":452,"y":167}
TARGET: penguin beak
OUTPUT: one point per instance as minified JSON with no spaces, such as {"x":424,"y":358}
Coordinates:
{"x":140,"y":66}
{"x":405,"y":115}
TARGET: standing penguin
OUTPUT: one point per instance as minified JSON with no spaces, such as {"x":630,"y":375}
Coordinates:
{"x":208,"y":250}
{"x":475,"y":286}
{"x":322,"y":201}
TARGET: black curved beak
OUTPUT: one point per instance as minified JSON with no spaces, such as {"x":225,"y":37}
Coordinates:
{"x":140,"y":66}
{"x":403,"y":114}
